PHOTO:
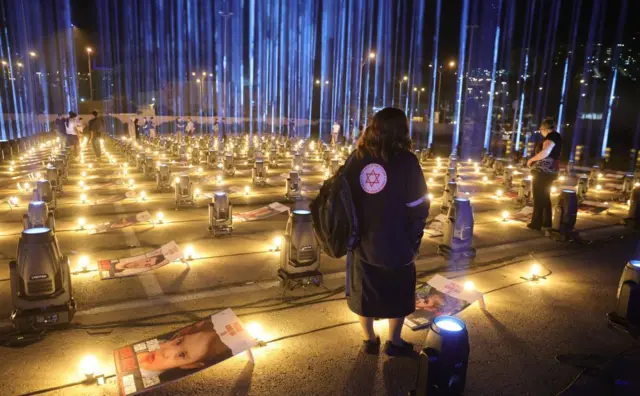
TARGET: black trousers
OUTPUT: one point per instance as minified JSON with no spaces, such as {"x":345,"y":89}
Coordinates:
{"x":541,"y":199}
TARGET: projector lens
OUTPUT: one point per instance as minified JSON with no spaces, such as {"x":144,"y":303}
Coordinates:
{"x":449,"y":323}
{"x":36,"y":231}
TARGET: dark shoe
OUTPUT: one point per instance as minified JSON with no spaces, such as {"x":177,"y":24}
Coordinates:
{"x":406,"y":349}
{"x":533,"y":227}
{"x":371,"y":347}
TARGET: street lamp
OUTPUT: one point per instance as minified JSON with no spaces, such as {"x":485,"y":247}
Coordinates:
{"x":19,"y":64}
{"x":32,"y":54}
{"x":452,"y":64}
{"x":419,"y":91}
{"x":372,"y":55}
{"x":89,"y":51}
{"x":317,"y":82}
{"x":199,"y":95}
{"x":404,"y":79}
{"x":4,"y":63}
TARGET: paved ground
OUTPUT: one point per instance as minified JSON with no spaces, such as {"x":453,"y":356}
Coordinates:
{"x":514,"y":342}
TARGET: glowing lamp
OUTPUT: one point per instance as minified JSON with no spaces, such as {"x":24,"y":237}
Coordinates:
{"x":13,"y":201}
{"x":442,"y":364}
{"x":143,"y":195}
{"x":131,"y":182}
{"x":159,"y":217}
{"x":11,"y":169}
{"x":189,"y":252}
{"x":430,"y":196}
{"x":561,"y":178}
{"x":196,"y":192}
{"x":598,"y":187}
{"x":247,"y":190}
{"x":553,"y":189}
{"x":200,"y":170}
{"x":83,"y":198}
{"x":534,"y":272}
{"x":83,"y":261}
{"x":82,"y":222}
{"x":484,"y":179}
{"x":84,"y":174}
{"x":255,"y":330}
{"x":499,"y":193}
{"x":469,"y":285}
{"x":89,"y":366}
{"x":218,"y":179}
{"x":177,"y":180}
{"x":277,"y":243}
{"x":505,"y":215}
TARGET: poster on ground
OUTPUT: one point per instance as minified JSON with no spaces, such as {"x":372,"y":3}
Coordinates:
{"x":123,"y":222}
{"x":130,"y":266}
{"x":169,"y":357}
{"x":261,"y":213}
{"x":440,"y":296}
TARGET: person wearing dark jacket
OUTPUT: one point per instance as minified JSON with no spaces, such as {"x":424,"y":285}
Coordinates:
{"x":545,"y":164}
{"x":96,"y":127}
{"x":390,"y":196}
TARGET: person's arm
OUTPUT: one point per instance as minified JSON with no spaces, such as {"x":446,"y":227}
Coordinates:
{"x":547,"y":146}
{"x":418,"y":205}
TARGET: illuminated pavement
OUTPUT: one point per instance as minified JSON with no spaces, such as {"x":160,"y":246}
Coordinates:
{"x":513,"y":343}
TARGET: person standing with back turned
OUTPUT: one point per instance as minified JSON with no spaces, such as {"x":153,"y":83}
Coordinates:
{"x":546,"y":164}
{"x":389,"y":195}
{"x":96,"y":127}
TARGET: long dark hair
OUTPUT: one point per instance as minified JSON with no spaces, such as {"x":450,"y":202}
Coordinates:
{"x":387,"y":135}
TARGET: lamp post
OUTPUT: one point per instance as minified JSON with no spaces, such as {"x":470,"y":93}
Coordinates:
{"x":452,"y":64}
{"x":404,"y":79}
{"x":367,"y":61}
{"x":89,"y":51}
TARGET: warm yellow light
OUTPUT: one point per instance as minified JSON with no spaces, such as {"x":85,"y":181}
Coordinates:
{"x":197,"y":192}
{"x":83,"y":198}
{"x":246,"y":190}
{"x":159,"y":217}
{"x":131,"y":182}
{"x":561,"y":178}
{"x":499,"y":193}
{"x":143,"y":195}
{"x":89,"y":366}
{"x":484,"y":179}
{"x":83,"y":262}
{"x":255,"y":330}
{"x":553,"y":189}
{"x":14,"y":201}
{"x":405,"y":78}
{"x":505,"y":215}
{"x":189,"y":252}
{"x":277,"y":243}
{"x":32,"y":54}
{"x":469,"y":285}
{"x":600,"y":175}
{"x":452,"y":63}
{"x":598,"y":187}
{"x":372,"y":55}
{"x":89,"y":50}
{"x":82,"y":222}
{"x":218,"y":179}
{"x":177,"y":180}
{"x":535,"y":270}
{"x":84,"y":173}
{"x":430,"y":196}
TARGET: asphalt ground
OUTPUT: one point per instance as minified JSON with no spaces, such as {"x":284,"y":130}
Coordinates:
{"x":514,"y":342}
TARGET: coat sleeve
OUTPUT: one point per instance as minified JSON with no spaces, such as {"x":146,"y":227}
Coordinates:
{"x":417,"y":203}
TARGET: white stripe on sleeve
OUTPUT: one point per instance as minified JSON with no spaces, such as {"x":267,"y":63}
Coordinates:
{"x":416,"y":202}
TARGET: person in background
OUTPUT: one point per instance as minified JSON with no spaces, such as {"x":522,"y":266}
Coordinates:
{"x":386,"y":180}
{"x":545,"y":164}
{"x":190,"y":129}
{"x":152,"y":128}
{"x":71,"y":132}
{"x":180,"y":126}
{"x":335,"y":133}
{"x":96,"y":128}
{"x":60,"y":126}
{"x":136,"y":127}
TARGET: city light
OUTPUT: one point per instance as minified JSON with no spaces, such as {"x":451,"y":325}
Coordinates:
{"x":452,"y":64}
{"x":372,"y":55}
{"x":89,"y":50}
{"x":32,"y":54}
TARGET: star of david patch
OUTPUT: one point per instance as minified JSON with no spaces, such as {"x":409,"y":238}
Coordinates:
{"x":373,"y":178}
